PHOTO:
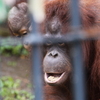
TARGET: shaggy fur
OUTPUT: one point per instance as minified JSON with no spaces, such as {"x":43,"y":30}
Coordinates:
{"x":90,"y":17}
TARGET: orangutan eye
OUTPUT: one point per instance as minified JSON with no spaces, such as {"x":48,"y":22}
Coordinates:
{"x":24,"y":33}
{"x":61,"y":44}
{"x":49,"y":43}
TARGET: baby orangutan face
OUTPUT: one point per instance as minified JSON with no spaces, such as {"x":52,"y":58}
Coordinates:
{"x":18,"y":20}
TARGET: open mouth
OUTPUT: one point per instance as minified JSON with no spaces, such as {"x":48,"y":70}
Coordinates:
{"x":53,"y":77}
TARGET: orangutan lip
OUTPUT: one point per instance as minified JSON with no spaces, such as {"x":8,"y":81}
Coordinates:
{"x":53,"y":77}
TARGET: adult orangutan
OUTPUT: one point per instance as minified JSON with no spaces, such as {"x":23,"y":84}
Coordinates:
{"x":56,"y":62}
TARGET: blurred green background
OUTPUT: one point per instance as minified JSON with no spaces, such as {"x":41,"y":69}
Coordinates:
{"x":15,"y":65}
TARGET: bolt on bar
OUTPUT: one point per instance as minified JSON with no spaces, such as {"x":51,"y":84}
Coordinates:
{"x":78,"y":81}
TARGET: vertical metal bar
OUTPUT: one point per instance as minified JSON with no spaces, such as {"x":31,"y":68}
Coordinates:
{"x":36,"y":66}
{"x":78,"y":82}
{"x":76,"y":54}
{"x":75,"y":15}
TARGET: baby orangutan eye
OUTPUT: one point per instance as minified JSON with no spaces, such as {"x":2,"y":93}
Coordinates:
{"x":24,"y":33}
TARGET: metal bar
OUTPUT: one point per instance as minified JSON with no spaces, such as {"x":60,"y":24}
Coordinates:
{"x":36,"y":63}
{"x":76,"y":55}
{"x":36,"y":66}
{"x":75,"y":15}
{"x":33,"y":39}
{"x":78,"y":82}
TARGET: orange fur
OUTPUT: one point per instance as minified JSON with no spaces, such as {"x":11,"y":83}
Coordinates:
{"x":90,"y":18}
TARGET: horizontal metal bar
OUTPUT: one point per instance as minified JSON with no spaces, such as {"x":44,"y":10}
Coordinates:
{"x":10,"y":41}
{"x":37,"y":39}
{"x":69,"y":37}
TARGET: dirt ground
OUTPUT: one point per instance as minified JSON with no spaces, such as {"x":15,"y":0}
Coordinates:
{"x":16,"y":67}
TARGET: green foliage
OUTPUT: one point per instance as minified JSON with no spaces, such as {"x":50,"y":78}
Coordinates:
{"x":10,"y":90}
{"x":3,"y":11}
{"x":13,"y":50}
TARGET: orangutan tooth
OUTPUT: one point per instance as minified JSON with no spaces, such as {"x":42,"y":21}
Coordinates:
{"x":52,"y":78}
